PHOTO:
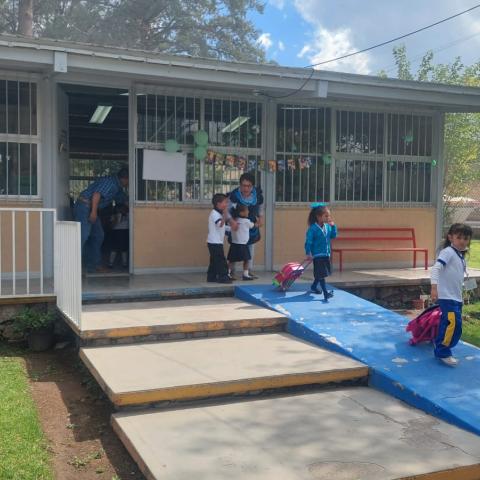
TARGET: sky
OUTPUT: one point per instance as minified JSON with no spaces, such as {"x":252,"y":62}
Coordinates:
{"x":299,"y":33}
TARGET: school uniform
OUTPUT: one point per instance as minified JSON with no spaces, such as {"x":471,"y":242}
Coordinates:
{"x":217,"y":268}
{"x":448,"y":274}
{"x":317,"y":245}
{"x":239,"y":251}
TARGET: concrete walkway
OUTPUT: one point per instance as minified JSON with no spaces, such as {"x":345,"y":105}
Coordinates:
{"x":349,"y":434}
{"x":377,"y":337}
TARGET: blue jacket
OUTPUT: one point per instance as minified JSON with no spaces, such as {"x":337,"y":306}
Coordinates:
{"x":317,"y":243}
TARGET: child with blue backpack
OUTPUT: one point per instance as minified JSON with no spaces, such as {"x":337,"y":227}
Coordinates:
{"x":321,"y":229}
{"x":448,"y":280}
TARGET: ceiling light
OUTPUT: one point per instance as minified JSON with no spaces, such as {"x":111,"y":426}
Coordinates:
{"x":100,"y":114}
{"x":238,"y":122}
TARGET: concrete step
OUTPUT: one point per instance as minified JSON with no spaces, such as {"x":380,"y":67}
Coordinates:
{"x":174,"y":319}
{"x":133,"y":375}
{"x":345,"y":434}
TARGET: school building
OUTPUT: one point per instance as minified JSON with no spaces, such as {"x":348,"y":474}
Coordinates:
{"x":371,"y":147}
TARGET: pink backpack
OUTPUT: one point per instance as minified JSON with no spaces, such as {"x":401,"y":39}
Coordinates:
{"x":424,"y":327}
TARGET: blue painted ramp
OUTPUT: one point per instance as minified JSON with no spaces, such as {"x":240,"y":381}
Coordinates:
{"x":377,"y":337}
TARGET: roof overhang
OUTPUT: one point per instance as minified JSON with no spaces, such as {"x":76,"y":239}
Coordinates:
{"x":68,"y":59}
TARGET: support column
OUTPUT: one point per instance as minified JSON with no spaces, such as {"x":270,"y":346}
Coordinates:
{"x":438,"y":174}
{"x":269,"y":122}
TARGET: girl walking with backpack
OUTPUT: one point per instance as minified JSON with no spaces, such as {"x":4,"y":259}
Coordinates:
{"x":447,"y":279}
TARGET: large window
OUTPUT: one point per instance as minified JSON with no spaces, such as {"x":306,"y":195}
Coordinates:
{"x":18,"y":139}
{"x":234,"y":129}
{"x":303,"y":153}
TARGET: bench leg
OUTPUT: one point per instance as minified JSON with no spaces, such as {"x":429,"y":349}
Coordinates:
{"x":426,"y":260}
{"x":414,"y":259}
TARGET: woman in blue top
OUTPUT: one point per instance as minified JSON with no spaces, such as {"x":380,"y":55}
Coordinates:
{"x":321,"y":229}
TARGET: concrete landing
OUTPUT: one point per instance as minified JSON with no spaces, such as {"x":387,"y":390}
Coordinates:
{"x":346,"y":434}
{"x":377,"y":337}
{"x":192,"y":369}
{"x":174,"y":316}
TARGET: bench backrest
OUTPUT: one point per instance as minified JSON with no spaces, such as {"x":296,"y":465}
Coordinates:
{"x":375,"y":234}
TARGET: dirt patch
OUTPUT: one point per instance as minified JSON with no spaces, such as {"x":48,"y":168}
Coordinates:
{"x":75,"y":416}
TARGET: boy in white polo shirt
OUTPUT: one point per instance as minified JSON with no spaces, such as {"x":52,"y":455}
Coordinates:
{"x":217,"y":269}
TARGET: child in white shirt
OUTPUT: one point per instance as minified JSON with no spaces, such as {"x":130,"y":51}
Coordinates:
{"x":217,"y":268}
{"x":239,"y":251}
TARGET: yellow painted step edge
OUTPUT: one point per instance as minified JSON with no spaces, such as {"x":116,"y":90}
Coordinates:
{"x":204,"y":390}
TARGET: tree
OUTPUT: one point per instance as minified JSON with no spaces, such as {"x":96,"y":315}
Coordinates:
{"x":25,"y":17}
{"x":462,"y":130}
{"x":207,"y":28}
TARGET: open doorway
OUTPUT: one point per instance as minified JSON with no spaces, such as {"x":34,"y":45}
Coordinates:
{"x":98,"y":147}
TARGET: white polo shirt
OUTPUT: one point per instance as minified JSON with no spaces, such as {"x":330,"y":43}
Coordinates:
{"x":216,"y":227}
{"x":242,"y":234}
{"x":448,"y":274}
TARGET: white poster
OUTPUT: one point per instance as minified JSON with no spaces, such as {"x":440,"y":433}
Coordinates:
{"x":165,"y":166}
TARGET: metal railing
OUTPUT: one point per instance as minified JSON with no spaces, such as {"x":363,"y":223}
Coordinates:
{"x":68,"y":270}
{"x":40,"y":256}
{"x":26,"y":251}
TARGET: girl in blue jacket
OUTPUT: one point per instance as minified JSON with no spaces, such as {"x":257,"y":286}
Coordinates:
{"x":321,"y":229}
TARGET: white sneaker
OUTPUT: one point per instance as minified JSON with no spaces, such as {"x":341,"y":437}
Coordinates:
{"x":450,"y":361}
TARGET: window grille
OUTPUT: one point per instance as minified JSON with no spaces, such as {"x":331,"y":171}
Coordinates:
{"x":234,"y":127}
{"x":19,"y":163}
{"x":303,"y":153}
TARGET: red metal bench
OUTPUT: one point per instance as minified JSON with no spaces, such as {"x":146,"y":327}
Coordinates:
{"x":371,"y":234}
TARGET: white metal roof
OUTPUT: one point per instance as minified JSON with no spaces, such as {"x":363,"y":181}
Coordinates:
{"x":38,"y":55}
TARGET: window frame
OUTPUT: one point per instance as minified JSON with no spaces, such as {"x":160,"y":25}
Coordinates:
{"x":28,"y":139}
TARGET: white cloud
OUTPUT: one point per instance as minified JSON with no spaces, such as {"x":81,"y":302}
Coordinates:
{"x":281,"y":46}
{"x":329,"y":44}
{"x":304,"y":51}
{"x":265,"y":41}
{"x":326,"y":44}
{"x":280,"y":4}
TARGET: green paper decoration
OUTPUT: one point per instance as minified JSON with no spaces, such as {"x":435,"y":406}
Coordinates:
{"x":200,"y":152}
{"x":201,"y":138}
{"x":434,"y":163}
{"x":327,"y":158}
{"x":408,"y":138}
{"x":171,"y":146}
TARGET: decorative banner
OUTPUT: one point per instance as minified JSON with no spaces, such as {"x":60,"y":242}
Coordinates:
{"x":408,"y":138}
{"x":211,"y":156}
{"x":252,"y":164}
{"x":304,"y":162}
{"x":281,"y":165}
{"x":171,"y":146}
{"x":291,"y":164}
{"x":220,"y":158}
{"x":434,"y":163}
{"x":272,"y":166}
{"x":200,"y":153}
{"x":230,"y":160}
{"x":201,"y":138}
{"x":261,"y":164}
{"x":241,"y":162}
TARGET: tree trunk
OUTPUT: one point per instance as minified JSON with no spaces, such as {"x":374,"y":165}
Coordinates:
{"x":25,"y":18}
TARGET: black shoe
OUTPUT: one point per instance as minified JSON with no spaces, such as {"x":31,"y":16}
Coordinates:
{"x":245,"y":277}
{"x":329,"y":294}
{"x":315,"y":290}
{"x":224,"y":280}
{"x":253,"y":276}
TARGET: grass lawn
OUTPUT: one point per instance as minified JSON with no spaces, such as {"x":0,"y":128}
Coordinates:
{"x":473,"y":258}
{"x":471,"y":324}
{"x":23,"y":452}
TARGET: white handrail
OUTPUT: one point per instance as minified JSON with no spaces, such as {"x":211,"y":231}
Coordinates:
{"x":58,"y":256}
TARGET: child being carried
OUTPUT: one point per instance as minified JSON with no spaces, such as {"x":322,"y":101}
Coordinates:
{"x":239,"y":251}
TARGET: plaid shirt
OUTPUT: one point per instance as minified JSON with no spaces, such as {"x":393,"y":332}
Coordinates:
{"x":108,"y":187}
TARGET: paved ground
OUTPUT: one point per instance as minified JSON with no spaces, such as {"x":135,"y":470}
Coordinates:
{"x":170,"y":312}
{"x":352,"y":433}
{"x":377,"y":337}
